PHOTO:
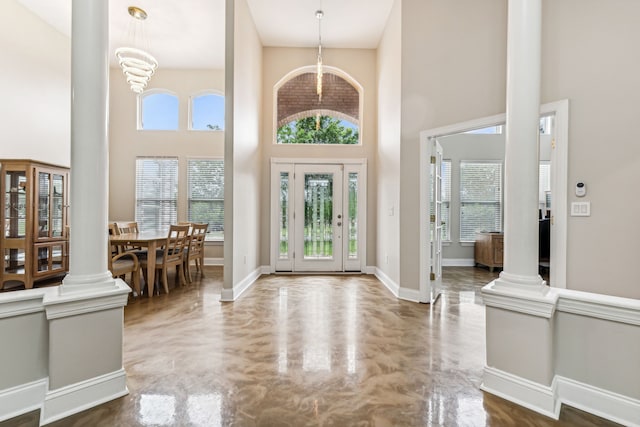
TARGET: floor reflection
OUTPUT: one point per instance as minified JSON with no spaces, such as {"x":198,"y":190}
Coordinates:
{"x":310,"y":351}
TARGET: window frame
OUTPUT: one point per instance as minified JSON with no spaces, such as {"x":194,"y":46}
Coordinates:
{"x":140,"y":104}
{"x":190,"y":109}
{"x":326,"y":70}
{"x":500,"y":203}
{"x":209,"y":237}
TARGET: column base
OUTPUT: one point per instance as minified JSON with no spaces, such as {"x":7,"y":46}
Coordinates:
{"x":73,"y":283}
{"x":515,"y":282}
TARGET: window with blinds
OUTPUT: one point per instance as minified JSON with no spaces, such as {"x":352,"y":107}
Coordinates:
{"x":206,"y":195}
{"x":156,"y":192}
{"x":480,"y":198}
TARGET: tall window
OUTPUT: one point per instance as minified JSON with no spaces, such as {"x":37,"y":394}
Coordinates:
{"x":480,"y":198}
{"x":446,"y":200}
{"x":158,"y":111}
{"x":206,"y":195}
{"x":156,"y":192}
{"x":207,"y":112}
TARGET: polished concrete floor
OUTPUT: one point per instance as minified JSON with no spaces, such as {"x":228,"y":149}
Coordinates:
{"x":310,"y":351}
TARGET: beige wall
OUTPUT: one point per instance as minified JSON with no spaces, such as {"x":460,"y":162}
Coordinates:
{"x":126,"y":142}
{"x":453,"y":69}
{"x":36,"y":87}
{"x":360,"y":64}
{"x":590,"y":57}
{"x":388,"y":155}
{"x":242,"y":147}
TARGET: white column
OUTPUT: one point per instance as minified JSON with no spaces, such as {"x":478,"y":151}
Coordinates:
{"x":522,"y":148}
{"x":89,"y":147}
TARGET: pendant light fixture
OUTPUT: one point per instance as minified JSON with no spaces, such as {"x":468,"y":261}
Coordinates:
{"x":137,"y":64}
{"x":319,"y":15}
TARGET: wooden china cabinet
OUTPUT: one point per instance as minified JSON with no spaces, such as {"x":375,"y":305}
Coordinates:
{"x":34,"y":209}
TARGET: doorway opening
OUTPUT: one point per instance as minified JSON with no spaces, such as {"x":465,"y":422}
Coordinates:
{"x":318,"y":215}
{"x":553,"y":200}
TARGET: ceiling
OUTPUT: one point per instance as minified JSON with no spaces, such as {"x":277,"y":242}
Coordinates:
{"x":190,"y":33}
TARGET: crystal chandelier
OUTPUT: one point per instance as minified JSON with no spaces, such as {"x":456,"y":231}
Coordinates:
{"x":137,"y":64}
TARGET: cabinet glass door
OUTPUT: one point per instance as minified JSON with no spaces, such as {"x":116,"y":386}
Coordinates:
{"x":57,"y":206}
{"x":43,"y":204}
{"x":15,"y":204}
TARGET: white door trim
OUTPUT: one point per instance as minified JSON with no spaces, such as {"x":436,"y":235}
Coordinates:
{"x":559,"y":179}
{"x":286,"y":164}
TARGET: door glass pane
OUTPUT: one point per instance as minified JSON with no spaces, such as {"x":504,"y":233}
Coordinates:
{"x":15,"y":202}
{"x":14,"y":261}
{"x":56,"y":212}
{"x":43,"y":204}
{"x":57,"y":257}
{"x":353,"y":215}
{"x":42,"y":262}
{"x":284,"y":215}
{"x":318,"y":216}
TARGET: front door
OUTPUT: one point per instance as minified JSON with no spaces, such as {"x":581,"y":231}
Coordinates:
{"x":318,"y":218}
{"x":317,"y":223}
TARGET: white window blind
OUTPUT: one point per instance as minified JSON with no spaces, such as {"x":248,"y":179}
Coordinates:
{"x":446,"y":200}
{"x":206,"y":194}
{"x":156,"y":192}
{"x":480,"y":198}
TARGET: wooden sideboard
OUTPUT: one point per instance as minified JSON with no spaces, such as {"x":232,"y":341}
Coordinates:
{"x":488,"y":249}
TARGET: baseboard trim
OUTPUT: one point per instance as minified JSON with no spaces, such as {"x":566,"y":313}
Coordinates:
{"x":458,"y":262}
{"x":230,"y":295}
{"x":548,"y":400}
{"x":19,"y":400}
{"x":603,"y":403}
{"x":74,"y":398}
{"x":369,"y":269}
{"x":393,"y":287}
{"x":531,"y":395}
{"x":214,"y":261}
{"x":407,"y":294}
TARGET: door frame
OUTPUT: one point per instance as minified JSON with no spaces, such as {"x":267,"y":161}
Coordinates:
{"x":282,"y":164}
{"x":559,"y":178}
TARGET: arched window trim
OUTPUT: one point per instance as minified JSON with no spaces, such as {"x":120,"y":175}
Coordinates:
{"x":190,"y":109}
{"x":155,"y":91}
{"x":312,"y":69}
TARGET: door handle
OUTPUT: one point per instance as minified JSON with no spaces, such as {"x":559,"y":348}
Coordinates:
{"x":338,"y":223}
{"x":339,"y":216}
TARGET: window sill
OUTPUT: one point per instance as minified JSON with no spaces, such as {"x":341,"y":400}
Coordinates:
{"x":214,"y":242}
{"x":467,"y":243}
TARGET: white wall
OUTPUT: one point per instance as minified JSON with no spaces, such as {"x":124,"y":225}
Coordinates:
{"x":243,"y":167}
{"x":35,"y":60}
{"x":388,"y":155}
{"x":360,"y":64}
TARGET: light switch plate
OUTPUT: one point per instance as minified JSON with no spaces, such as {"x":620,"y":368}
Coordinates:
{"x":580,"y":208}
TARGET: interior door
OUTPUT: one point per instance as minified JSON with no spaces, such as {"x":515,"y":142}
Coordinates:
{"x":318,"y":218}
{"x":435,"y":223}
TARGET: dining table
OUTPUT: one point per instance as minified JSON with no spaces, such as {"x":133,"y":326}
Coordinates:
{"x":151,"y":240}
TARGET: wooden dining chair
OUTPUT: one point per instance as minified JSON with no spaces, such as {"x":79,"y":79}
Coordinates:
{"x":125,"y":263}
{"x":172,"y":255}
{"x":195,"y":250}
{"x":132,"y":227}
{"x":114,"y":231}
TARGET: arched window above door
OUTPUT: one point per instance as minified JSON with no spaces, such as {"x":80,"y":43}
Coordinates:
{"x":302,"y":117}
